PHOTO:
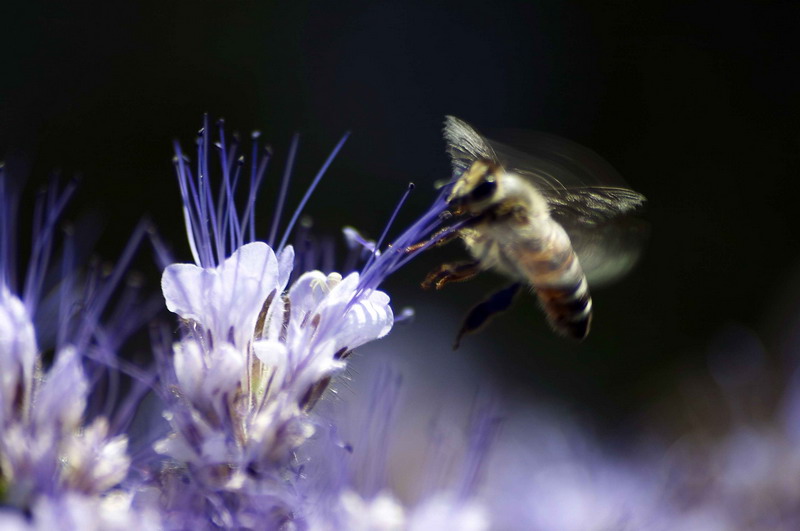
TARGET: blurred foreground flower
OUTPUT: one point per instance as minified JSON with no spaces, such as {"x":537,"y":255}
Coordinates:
{"x":63,"y":450}
{"x":747,"y":476}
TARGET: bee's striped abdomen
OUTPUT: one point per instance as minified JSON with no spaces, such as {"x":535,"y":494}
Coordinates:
{"x":568,"y":309}
{"x":558,"y":279}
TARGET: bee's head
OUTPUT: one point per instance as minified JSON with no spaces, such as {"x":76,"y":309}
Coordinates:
{"x":476,"y":189}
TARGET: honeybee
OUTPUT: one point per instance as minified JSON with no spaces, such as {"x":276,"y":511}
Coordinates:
{"x":550,"y":219}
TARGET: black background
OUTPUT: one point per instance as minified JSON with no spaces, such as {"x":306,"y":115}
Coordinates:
{"x":696,"y":105}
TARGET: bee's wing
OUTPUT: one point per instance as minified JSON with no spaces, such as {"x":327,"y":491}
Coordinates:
{"x":550,"y":161}
{"x":607,"y":248}
{"x":579,"y":188}
{"x":606,"y":237}
{"x":585,"y":193}
{"x":588,"y":198}
{"x":465,"y":145}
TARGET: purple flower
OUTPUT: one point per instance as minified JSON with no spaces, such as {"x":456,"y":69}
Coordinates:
{"x":551,"y":474}
{"x":260,"y":378}
{"x":747,"y":476}
{"x":54,"y":446}
{"x":384,"y":459}
{"x":257,"y":351}
{"x":113,"y":512}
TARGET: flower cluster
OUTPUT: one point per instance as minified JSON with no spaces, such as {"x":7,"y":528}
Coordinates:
{"x":61,"y":457}
{"x":252,"y":438}
{"x":257,"y":353}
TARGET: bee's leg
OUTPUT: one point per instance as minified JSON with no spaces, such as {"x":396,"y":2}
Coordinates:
{"x":456,"y":272}
{"x":437,"y":238}
{"x":480,"y":314}
{"x":447,"y":234}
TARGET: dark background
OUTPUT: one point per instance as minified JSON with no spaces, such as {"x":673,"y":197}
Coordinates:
{"x":696,"y":105}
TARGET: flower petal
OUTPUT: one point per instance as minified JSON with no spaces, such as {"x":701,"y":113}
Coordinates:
{"x":17,"y":351}
{"x":285,"y":266}
{"x":61,"y":400}
{"x":226,"y":300}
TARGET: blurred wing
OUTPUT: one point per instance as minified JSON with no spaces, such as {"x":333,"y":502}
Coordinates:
{"x":586,"y":195}
{"x":606,"y":238}
{"x":591,"y":205}
{"x":465,"y":145}
{"x":608,"y":250}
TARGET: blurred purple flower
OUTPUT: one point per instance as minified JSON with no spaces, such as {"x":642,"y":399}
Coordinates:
{"x":350,"y":477}
{"x":57,"y":445}
{"x":747,"y":476}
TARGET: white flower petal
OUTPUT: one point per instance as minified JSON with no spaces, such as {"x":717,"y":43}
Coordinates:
{"x":225,"y":370}
{"x":185,"y":288}
{"x":446,"y":512}
{"x":308,"y":292}
{"x":215,"y":449}
{"x":189,"y":367}
{"x":273,"y":354}
{"x":225,"y":300}
{"x":316,"y":368}
{"x":382,"y":513}
{"x":91,"y":462}
{"x":61,"y":399}
{"x":175,"y":447}
{"x":285,"y":266}
{"x":17,"y":350}
{"x":344,"y":290}
{"x":368,"y":319}
{"x":112,"y":512}
{"x":248,"y":277}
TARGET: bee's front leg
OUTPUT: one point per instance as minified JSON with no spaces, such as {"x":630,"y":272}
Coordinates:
{"x":447,"y":234}
{"x":456,"y":272}
{"x":437,"y":240}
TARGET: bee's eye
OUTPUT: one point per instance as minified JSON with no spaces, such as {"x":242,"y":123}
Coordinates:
{"x":483,"y":190}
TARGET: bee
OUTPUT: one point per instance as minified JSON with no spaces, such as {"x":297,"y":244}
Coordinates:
{"x":549,"y":219}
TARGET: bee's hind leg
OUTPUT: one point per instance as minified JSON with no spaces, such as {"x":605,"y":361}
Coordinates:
{"x":455,"y":272}
{"x":480,"y":314}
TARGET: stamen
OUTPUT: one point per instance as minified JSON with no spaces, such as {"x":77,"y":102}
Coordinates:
{"x":163,"y":256}
{"x":65,"y":288}
{"x":90,"y":327}
{"x":126,"y":411}
{"x":213,"y":225}
{"x":191,"y":208}
{"x":208,"y":215}
{"x":310,"y":190}
{"x":287,"y":173}
{"x":206,"y":211}
{"x":389,"y":224}
{"x":8,"y":213}
{"x":358,"y":247}
{"x":484,"y":428}
{"x":396,"y":256}
{"x":406,"y":315}
{"x":257,"y":171}
{"x":44,"y":222}
{"x":226,"y":204}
